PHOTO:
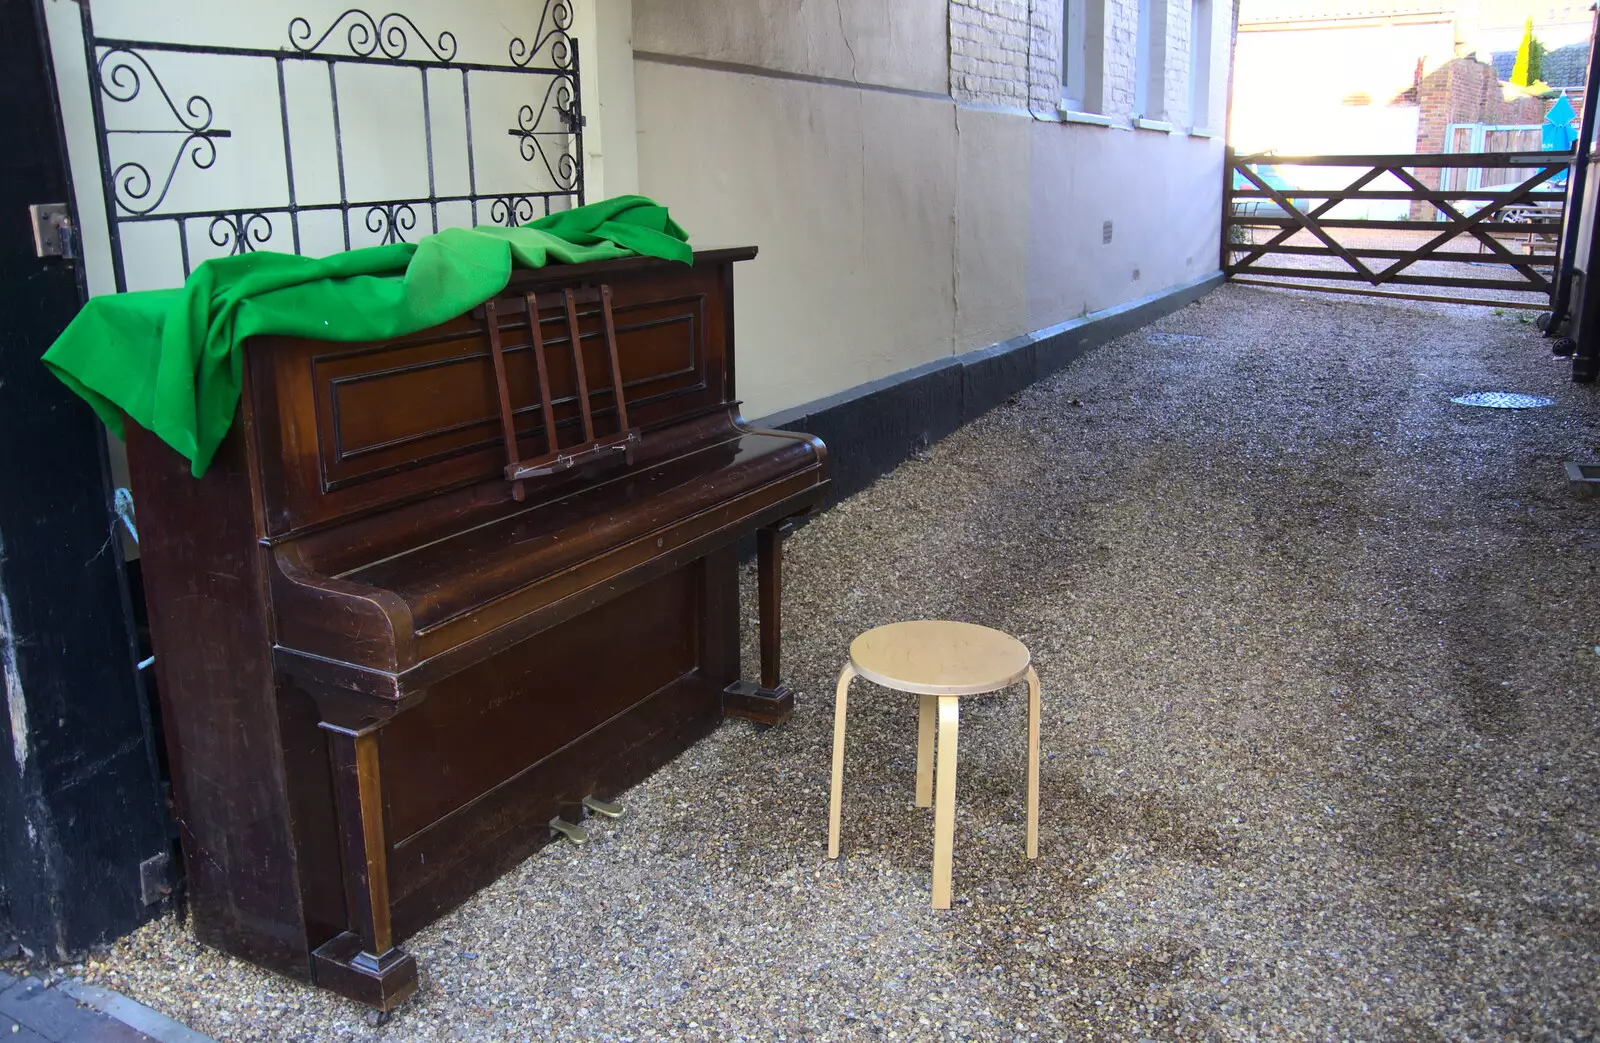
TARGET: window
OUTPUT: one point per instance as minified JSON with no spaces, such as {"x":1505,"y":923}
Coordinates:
{"x":1154,"y":62}
{"x":1075,"y":55}
{"x":1200,"y":22}
{"x":1083,"y":35}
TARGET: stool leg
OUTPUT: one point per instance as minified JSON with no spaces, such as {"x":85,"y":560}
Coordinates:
{"x":838,"y":759}
{"x":944,"y":808}
{"x":927,"y":712}
{"x":1033,"y":764}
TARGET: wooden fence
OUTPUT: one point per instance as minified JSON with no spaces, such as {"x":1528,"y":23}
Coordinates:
{"x":1515,"y":227}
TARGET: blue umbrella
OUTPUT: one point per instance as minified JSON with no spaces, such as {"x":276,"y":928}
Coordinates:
{"x":1557,"y":134}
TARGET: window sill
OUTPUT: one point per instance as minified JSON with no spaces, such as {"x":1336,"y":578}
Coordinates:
{"x":1160,"y":126}
{"x":1092,"y":118}
{"x":1202,"y":132}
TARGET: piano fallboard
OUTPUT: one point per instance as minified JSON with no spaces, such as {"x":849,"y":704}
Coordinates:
{"x":536,"y":555}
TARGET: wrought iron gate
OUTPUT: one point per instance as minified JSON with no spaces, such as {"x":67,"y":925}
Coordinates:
{"x":142,"y":106}
{"x":1515,"y":226}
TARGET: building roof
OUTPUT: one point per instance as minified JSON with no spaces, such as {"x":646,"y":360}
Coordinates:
{"x":1563,"y":67}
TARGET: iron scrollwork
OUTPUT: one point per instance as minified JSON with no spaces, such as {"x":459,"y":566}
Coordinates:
{"x":121,"y":81}
{"x":139,"y":183}
{"x":367,"y":35}
{"x":240,"y":232}
{"x":391,"y":221}
{"x":511,"y":211}
{"x":558,"y":15}
{"x":530,"y":131}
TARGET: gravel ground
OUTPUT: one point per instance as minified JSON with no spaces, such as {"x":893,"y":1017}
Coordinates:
{"x":1321,"y":736}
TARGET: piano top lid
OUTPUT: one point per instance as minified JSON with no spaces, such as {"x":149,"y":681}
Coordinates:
{"x":524,"y":278}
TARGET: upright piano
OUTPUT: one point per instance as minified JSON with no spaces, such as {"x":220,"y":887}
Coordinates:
{"x":439,"y":596}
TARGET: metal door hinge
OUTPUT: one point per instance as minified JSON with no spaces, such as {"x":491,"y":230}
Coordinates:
{"x":155,"y":879}
{"x":52,"y":230}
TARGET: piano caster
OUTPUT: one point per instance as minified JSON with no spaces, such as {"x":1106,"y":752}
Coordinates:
{"x":577,"y":836}
{"x":764,"y":706}
{"x":381,"y":982}
{"x":601,"y":807}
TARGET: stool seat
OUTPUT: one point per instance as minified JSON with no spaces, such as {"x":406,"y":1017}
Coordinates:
{"x":939,"y":657}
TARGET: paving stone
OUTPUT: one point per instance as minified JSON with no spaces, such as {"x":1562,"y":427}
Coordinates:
{"x":12,"y":1031}
{"x":52,"y":1015}
{"x":46,"y":1012}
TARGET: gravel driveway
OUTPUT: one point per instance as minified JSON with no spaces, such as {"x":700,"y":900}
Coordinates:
{"x":1321,"y":734}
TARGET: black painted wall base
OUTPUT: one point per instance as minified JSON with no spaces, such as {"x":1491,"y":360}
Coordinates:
{"x":871,"y":429}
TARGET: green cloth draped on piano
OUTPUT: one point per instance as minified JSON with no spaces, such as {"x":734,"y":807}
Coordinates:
{"x":171,"y":359}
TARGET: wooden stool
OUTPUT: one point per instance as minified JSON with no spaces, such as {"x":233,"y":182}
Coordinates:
{"x":941,"y":662}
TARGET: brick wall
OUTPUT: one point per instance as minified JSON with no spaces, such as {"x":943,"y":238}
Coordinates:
{"x":1463,"y":91}
{"x":1008,"y":53}
{"x":1045,"y":81}
{"x":989,"y":51}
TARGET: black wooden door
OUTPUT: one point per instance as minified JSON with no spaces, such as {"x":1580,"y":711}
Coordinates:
{"x":80,"y":805}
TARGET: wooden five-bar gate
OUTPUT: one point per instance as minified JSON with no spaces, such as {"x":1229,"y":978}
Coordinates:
{"x":1515,"y":228}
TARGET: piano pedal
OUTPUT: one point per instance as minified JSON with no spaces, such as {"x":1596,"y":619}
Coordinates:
{"x":577,"y":836}
{"x":601,"y":807}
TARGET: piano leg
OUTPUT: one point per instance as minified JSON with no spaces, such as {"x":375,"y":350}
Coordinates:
{"x":363,"y":962}
{"x":770,"y":702}
{"x":769,"y":574}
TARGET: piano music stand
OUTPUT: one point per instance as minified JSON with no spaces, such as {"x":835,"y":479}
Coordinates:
{"x":555,"y":459}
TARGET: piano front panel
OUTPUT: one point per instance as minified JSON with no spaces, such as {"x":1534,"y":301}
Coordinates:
{"x":485,"y":725}
{"x":474,"y":773}
{"x":347,"y":427}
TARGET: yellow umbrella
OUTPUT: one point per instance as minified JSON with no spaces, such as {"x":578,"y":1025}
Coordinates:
{"x":1520,"y":71}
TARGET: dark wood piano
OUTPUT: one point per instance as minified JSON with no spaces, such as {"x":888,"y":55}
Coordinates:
{"x":403,"y":636}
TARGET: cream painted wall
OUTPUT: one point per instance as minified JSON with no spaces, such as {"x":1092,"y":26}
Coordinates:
{"x":1161,"y":193}
{"x":992,"y":217}
{"x":604,"y":30}
{"x":849,"y":194}
{"x":894,"y":43}
{"x":897,"y":229}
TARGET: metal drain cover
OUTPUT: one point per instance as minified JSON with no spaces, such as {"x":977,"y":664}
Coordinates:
{"x":1502,"y":400}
